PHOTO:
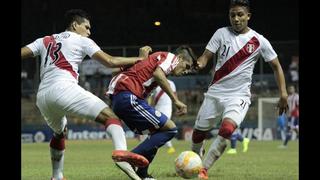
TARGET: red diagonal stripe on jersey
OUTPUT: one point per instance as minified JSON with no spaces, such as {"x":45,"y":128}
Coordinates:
{"x":61,"y":62}
{"x":235,"y":60}
{"x":156,"y":99}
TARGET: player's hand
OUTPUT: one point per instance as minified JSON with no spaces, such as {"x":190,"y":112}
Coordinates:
{"x":144,"y":51}
{"x":182,"y":108}
{"x":283,"y":104}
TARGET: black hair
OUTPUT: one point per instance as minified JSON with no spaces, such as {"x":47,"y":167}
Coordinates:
{"x":77,"y":15}
{"x":244,"y":3}
{"x":186,"y":52}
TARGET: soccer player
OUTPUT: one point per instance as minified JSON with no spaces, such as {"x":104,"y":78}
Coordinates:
{"x":59,"y":93}
{"x":128,"y":91}
{"x":237,"y":49}
{"x":293,"y":114}
{"x":162,"y":102}
{"x":236,"y":136}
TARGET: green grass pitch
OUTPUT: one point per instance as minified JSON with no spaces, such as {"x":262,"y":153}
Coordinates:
{"x":91,"y":160}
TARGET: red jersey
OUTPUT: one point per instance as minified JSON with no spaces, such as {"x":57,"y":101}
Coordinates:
{"x":138,"y":79}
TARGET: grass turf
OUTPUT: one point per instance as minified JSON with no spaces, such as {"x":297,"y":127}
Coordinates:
{"x":91,"y":160}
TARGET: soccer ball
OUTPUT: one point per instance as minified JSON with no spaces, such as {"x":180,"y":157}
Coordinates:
{"x":188,"y":164}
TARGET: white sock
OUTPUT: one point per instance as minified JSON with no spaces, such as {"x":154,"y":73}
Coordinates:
{"x":215,"y":151}
{"x":118,"y":136}
{"x":169,"y":144}
{"x":57,"y":160}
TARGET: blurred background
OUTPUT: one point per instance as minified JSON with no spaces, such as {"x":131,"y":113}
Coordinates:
{"x":121,"y":27}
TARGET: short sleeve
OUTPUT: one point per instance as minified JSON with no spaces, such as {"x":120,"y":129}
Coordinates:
{"x":36,"y":46}
{"x":90,"y":47}
{"x":168,"y":62}
{"x":267,"y":52}
{"x":214,"y":43}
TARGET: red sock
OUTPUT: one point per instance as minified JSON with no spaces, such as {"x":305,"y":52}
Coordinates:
{"x":58,"y":144}
{"x":112,"y":121}
{"x":198,"y":136}
{"x":226,"y":129}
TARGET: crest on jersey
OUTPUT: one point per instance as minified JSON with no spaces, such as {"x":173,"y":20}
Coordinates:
{"x":251,"y":48}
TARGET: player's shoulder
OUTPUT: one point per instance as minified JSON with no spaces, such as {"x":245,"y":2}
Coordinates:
{"x":258,"y":35}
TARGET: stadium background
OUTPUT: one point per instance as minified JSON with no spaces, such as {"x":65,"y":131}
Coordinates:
{"x":121,"y":27}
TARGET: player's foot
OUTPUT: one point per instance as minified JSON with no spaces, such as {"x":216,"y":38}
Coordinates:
{"x":245,"y":144}
{"x":130,"y":157}
{"x":232,"y":151}
{"x":203,"y":174}
{"x":171,"y":150}
{"x":128,"y":169}
{"x":58,"y":179}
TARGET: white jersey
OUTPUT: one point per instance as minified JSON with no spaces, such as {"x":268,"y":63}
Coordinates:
{"x":162,"y":101}
{"x":61,"y":55}
{"x":236,"y":57}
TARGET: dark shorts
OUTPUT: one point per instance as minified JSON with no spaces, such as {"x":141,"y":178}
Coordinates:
{"x":138,"y":115}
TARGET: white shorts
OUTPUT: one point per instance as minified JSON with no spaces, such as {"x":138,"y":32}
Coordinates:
{"x":213,"y":110}
{"x":165,"y":109}
{"x":63,"y":98}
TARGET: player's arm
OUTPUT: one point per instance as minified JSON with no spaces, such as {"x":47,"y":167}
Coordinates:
{"x":26,"y":52}
{"x":204,"y":58}
{"x":161,"y":79}
{"x":112,"y":61}
{"x":279,"y":76}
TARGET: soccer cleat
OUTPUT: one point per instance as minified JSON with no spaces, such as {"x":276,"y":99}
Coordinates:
{"x":203,"y":174}
{"x":130,"y":157}
{"x":232,"y":151}
{"x":171,"y":150}
{"x":58,"y":179}
{"x":149,"y":177}
{"x":245,"y":144}
{"x":128,"y":169}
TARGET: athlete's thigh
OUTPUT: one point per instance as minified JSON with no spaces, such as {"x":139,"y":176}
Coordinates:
{"x":138,"y":115}
{"x":209,"y":114}
{"x":53,"y":114}
{"x":77,"y":101}
{"x":235,"y":108}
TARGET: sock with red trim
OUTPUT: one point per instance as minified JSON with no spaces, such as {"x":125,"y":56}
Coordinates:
{"x":115,"y":131}
{"x":57,"y":148}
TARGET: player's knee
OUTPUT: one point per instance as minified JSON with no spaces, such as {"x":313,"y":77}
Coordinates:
{"x":227,"y":128}
{"x":198,"y":136}
{"x":104,"y":115}
{"x":168,"y":125}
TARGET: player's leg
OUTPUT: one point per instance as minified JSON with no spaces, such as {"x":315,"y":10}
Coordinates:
{"x":149,"y":147}
{"x":289,"y":132}
{"x":54,"y":115}
{"x":233,"y":114}
{"x":204,"y":122}
{"x":86,"y":105}
{"x":141,"y":118}
{"x":57,"y":150}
